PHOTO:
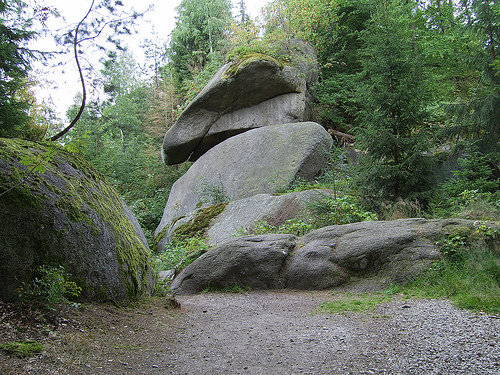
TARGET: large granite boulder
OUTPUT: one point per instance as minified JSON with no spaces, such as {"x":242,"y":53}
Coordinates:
{"x":303,"y":56}
{"x":221,"y":222}
{"x":263,"y":160}
{"x":253,"y":91}
{"x":254,"y":261}
{"x":241,"y":216}
{"x":389,"y":251}
{"x":56,"y":210}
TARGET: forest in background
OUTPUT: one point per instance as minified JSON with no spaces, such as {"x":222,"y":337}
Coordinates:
{"x":415,"y":83}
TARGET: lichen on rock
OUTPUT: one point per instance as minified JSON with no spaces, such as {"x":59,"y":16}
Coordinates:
{"x":56,"y":205}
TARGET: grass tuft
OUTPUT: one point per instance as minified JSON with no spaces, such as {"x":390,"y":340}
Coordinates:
{"x":471,"y":281}
{"x":350,"y":302}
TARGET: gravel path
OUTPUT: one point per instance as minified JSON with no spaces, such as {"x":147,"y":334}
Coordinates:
{"x":268,"y":333}
{"x":282,"y":333}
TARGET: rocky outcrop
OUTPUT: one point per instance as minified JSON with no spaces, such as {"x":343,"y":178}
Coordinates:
{"x":303,"y":56}
{"x":253,"y":91}
{"x":391,"y":251}
{"x":264,"y":160}
{"x":221,"y":222}
{"x":254,"y":261}
{"x":242,"y":215}
{"x":56,"y":210}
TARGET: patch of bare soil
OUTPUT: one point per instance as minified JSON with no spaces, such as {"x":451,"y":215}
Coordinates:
{"x":268,"y":332}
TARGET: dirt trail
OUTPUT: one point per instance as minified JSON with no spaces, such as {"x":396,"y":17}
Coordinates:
{"x":271,"y":332}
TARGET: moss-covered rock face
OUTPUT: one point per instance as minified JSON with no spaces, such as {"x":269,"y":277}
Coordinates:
{"x":56,"y":208}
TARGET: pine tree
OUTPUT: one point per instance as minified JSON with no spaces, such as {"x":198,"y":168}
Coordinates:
{"x":14,"y":66}
{"x":478,"y":119}
{"x":243,"y":17}
{"x":393,"y":93}
{"x":199,"y":32}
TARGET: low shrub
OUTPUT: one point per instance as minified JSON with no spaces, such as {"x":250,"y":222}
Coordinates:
{"x":341,"y":210}
{"x":180,"y":253}
{"x":51,"y":286}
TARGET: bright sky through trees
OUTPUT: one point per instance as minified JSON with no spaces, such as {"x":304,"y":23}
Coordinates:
{"x":161,"y":20}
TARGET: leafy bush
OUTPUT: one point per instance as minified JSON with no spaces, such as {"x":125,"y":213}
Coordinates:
{"x":294,"y":226}
{"x":149,"y":211}
{"x":51,"y":286}
{"x":212,"y":193}
{"x":341,"y":210}
{"x":180,"y":253}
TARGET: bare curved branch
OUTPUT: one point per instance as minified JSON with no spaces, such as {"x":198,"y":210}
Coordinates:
{"x":82,"y":80}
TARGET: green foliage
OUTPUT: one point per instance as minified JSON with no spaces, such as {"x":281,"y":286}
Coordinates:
{"x":477,"y":116}
{"x":454,"y":245}
{"x":51,"y":286}
{"x":191,"y":85}
{"x":339,"y":43}
{"x":22,"y":349}
{"x":212,"y":193}
{"x":350,"y":302}
{"x":293,"y":226}
{"x":149,"y":210}
{"x":470,"y":279}
{"x":189,"y":241}
{"x":199,"y":32}
{"x":395,"y":93}
{"x":469,"y":271}
{"x":473,"y":193}
{"x":326,"y":211}
{"x":300,"y":184}
{"x":120,"y":137}
{"x":180,"y":253}
{"x":476,"y":173}
{"x":16,"y":30}
{"x":487,"y":232}
{"x":341,"y":210}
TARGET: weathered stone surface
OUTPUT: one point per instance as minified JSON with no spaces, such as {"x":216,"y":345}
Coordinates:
{"x":303,"y":57}
{"x":313,"y":267}
{"x":372,"y":247}
{"x":253,"y":261}
{"x":283,"y":109}
{"x":254,"y":92}
{"x":243,"y":214}
{"x":264,"y":160}
{"x":390,"y":251}
{"x":64,"y":213}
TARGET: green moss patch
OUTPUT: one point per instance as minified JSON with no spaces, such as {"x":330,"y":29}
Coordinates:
{"x":22,"y":349}
{"x":245,"y":59}
{"x":200,"y":224}
{"x":56,"y":187}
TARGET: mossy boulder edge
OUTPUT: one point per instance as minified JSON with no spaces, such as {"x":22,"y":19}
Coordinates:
{"x":57,"y":210}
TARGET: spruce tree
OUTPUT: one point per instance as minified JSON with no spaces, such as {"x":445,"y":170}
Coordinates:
{"x":198,"y":33}
{"x":14,"y":66}
{"x":393,"y":94}
{"x":477,"y":118}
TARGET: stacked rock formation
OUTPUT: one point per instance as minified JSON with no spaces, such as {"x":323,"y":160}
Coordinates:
{"x":247,"y":133}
